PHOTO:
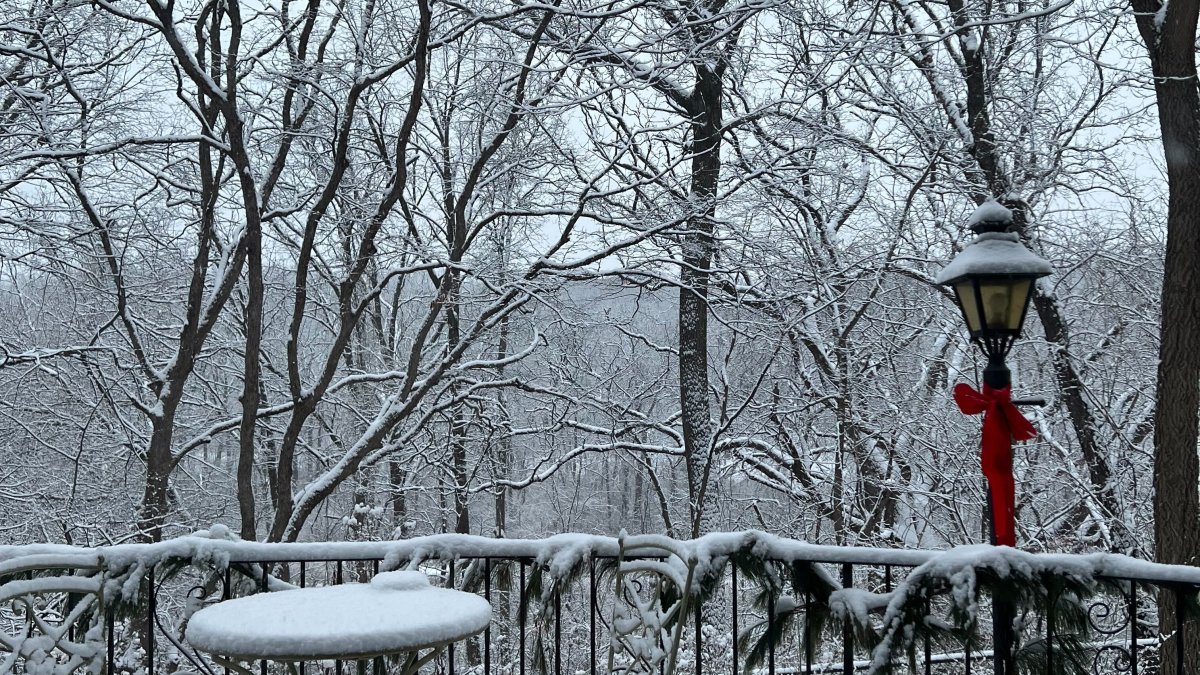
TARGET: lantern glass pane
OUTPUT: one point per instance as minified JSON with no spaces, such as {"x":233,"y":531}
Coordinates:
{"x":997,"y":297}
{"x":1016,"y":305}
{"x":970,"y":305}
{"x":1004,"y":303}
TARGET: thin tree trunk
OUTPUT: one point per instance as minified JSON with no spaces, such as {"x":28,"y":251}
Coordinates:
{"x":502,"y":466}
{"x":397,"y":477}
{"x":458,"y":421}
{"x":458,"y":451}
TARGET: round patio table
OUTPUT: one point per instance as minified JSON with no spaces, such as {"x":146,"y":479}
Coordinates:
{"x":395,"y":614}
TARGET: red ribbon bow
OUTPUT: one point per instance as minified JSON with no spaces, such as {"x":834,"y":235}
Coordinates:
{"x":1002,"y":423}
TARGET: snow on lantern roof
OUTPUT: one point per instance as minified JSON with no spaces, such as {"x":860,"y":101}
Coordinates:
{"x":991,"y":211}
{"x":998,"y":253}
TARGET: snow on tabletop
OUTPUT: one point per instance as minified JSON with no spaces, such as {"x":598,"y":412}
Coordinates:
{"x":994,"y":253}
{"x":396,"y":612}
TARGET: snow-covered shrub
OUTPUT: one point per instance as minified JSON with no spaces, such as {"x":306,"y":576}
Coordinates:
{"x":941,"y":600}
{"x":779,"y":585}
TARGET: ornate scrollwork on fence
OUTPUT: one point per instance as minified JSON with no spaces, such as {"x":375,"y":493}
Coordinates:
{"x":1112,"y":659}
{"x":1110,"y":618}
{"x":654,"y":596}
{"x":1104,"y":619}
{"x":50,"y":621}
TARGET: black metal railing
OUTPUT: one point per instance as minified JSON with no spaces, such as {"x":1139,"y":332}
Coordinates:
{"x":1121,"y":643}
{"x":560,"y":623}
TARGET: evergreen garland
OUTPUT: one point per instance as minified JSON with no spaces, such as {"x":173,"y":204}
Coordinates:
{"x":806,"y":580}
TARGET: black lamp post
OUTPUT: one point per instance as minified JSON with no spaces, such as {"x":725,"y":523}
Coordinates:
{"x":992,"y":279}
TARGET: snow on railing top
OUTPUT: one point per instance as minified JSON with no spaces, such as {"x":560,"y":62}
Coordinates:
{"x":558,"y":552}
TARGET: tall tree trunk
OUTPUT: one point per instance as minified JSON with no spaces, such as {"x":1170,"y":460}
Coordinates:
{"x":154,"y":508}
{"x":252,"y":393}
{"x":252,"y":202}
{"x":458,"y":421}
{"x":503,"y":463}
{"x":503,"y":458}
{"x":1169,"y":32}
{"x":693,"y":290}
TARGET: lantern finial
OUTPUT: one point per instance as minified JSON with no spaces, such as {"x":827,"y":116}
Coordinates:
{"x":990,"y":216}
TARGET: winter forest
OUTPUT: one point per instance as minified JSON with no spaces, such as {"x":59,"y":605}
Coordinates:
{"x":375,"y":269}
{"x":372,"y":270}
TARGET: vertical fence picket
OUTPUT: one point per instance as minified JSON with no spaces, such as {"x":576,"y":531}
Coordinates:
{"x":487,"y":632}
{"x":450,"y":647}
{"x":928,"y":658}
{"x":524,"y":609}
{"x":734,"y":598}
{"x":1050,"y":634}
{"x":110,"y":628}
{"x":337,"y":665}
{"x":1179,"y":631}
{"x":302,"y":582}
{"x":592,"y":599}
{"x":262,"y":588}
{"x":847,"y":628}
{"x":771,"y":631}
{"x":557,"y":633}
{"x":226,"y":593}
{"x":1133,"y":629}
{"x":152,"y":610}
{"x":928,"y":646}
{"x":808,"y":636}
{"x":377,"y":662}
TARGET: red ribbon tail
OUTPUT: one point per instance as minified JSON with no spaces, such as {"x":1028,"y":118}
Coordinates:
{"x":1004,"y":515}
{"x":1021,"y":428}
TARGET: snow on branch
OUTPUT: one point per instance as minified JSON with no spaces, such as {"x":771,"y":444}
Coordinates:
{"x":37,"y":356}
